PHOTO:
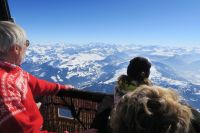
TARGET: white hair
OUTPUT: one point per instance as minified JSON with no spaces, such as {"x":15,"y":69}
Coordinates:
{"x":11,"y":34}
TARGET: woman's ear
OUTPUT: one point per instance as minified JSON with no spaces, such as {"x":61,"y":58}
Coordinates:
{"x":143,"y":74}
{"x":15,"y":49}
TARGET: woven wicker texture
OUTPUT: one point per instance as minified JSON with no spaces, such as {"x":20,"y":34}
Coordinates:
{"x":81,"y":106}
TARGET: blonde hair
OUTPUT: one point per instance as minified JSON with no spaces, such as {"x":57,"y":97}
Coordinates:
{"x":151,"y":109}
{"x":11,"y":34}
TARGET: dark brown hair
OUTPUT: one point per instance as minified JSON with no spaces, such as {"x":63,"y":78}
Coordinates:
{"x":138,"y":68}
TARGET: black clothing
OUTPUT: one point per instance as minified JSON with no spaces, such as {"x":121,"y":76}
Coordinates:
{"x":101,"y":120}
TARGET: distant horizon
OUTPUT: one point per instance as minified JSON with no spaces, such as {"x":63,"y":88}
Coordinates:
{"x":125,"y":44}
{"x":155,"y":22}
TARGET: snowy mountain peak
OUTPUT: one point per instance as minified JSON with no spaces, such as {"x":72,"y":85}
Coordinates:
{"x":96,"y":67}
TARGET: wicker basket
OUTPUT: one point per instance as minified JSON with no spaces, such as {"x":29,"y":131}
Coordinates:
{"x":70,"y":110}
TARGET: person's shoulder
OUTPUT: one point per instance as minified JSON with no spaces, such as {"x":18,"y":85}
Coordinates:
{"x":196,"y":119}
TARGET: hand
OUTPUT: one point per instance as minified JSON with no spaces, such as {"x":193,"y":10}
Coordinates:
{"x":39,"y":104}
{"x":69,"y":87}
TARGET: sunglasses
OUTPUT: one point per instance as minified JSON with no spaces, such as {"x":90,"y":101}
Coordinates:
{"x":27,"y":43}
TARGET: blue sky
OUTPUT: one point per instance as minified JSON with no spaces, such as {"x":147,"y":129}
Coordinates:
{"x":146,"y":22}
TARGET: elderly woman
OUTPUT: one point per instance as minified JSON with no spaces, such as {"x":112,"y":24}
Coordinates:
{"x":151,"y":110}
{"x":18,"y":110}
{"x":138,"y":72}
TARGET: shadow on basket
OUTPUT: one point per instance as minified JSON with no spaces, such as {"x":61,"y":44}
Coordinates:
{"x":73,"y":110}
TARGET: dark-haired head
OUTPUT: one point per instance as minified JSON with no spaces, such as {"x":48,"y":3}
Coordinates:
{"x":138,"y":69}
{"x":137,"y":74}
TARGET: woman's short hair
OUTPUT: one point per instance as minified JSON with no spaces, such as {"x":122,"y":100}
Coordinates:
{"x":11,"y":34}
{"x":150,"y":110}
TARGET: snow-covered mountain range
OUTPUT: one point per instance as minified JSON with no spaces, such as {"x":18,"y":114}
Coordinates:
{"x":96,"y":66}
